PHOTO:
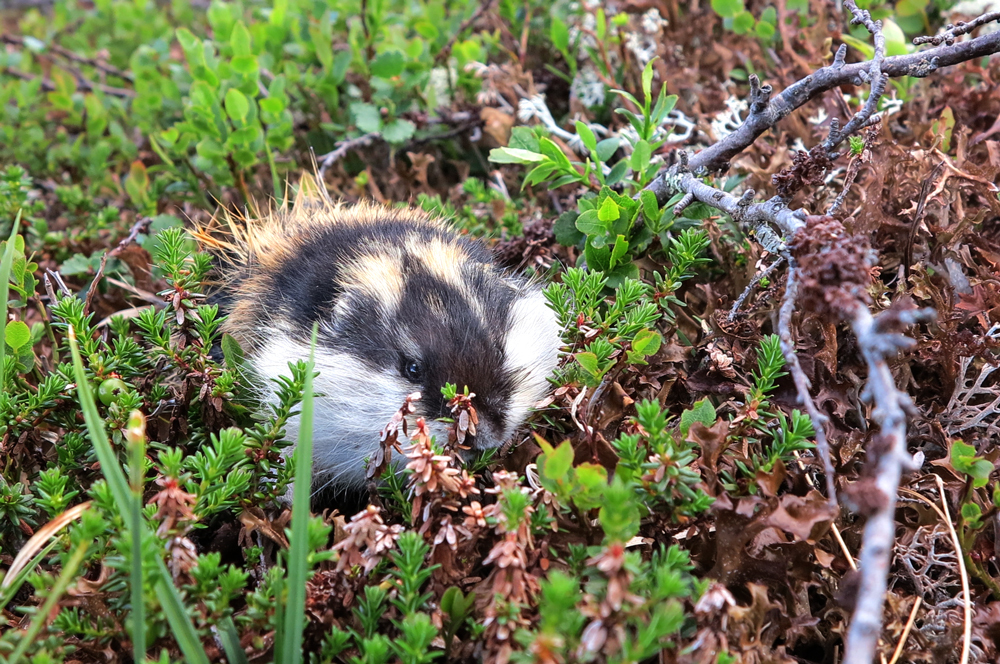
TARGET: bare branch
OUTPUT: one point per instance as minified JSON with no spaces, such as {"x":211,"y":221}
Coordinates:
{"x":919,"y":65}
{"x":957,"y":30}
{"x":753,"y":285}
{"x":140,"y":226}
{"x":83,"y":83}
{"x":853,"y":168}
{"x":96,"y":63}
{"x":443,"y":54}
{"x":892,"y":460}
{"x":802,"y":384}
{"x":343,"y":147}
{"x":874,"y":75}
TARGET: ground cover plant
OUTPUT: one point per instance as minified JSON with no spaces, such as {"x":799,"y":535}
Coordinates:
{"x":771,"y":232}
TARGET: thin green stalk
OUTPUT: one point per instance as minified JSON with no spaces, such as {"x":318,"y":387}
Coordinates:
{"x":166,"y":592}
{"x":298,"y":551}
{"x":231,"y":642}
{"x":137,"y":438}
{"x":275,"y":180}
{"x":38,"y":622}
{"x":7,"y":593}
{"x":5,"y":264}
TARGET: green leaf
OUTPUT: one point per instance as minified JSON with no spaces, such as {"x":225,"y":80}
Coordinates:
{"x":239,"y":40}
{"x":609,"y":210}
{"x":190,"y":44}
{"x":366,"y":117}
{"x":664,"y":104}
{"x":598,"y":257}
{"x":231,"y":642}
{"x":650,"y":208}
{"x":727,"y":8}
{"x":590,"y":223}
{"x":388,"y":64}
{"x":963,"y":459}
{"x":645,"y":343}
{"x":764,"y":30}
{"x":237,"y":106}
{"x":971,"y":512}
{"x":232,"y":351}
{"x":589,"y":362}
{"x":555,"y":464}
{"x":245,"y":65}
{"x":617,"y":173}
{"x":75,"y":264}
{"x":5,"y":263}
{"x":515,"y":156}
{"x":606,"y":149}
{"x":895,"y":40}
{"x":619,"y":250}
{"x":591,"y":483}
{"x":17,"y":334}
{"x":559,"y":34}
{"x":25,"y":359}
{"x":647,"y":80}
{"x":864,"y":47}
{"x":586,"y":135}
{"x":565,"y":230}
{"x":427,"y":30}
{"x":619,"y":515}
{"x":703,"y":411}
{"x":640,"y":157}
{"x":137,"y":183}
{"x":648,"y":342}
{"x":523,"y":138}
{"x":743,"y":23}
{"x":398,"y":131}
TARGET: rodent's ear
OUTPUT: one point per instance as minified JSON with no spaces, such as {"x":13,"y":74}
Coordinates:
{"x":311,"y":193}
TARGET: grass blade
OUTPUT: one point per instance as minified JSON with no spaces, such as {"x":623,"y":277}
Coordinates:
{"x":231,"y":642}
{"x":136,"y":435}
{"x":40,"y":618}
{"x":166,"y":592}
{"x":13,"y":581}
{"x":29,"y":552}
{"x":180,"y":622}
{"x":5,"y":264}
{"x":298,"y":551}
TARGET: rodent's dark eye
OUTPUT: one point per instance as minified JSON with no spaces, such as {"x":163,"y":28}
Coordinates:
{"x":412,"y":370}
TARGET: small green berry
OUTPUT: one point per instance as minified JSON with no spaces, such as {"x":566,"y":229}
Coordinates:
{"x":111,"y":390}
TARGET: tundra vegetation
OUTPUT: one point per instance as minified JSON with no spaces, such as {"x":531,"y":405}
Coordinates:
{"x":770,"y":229}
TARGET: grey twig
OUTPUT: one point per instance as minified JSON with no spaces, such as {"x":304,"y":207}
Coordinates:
{"x":85,"y":84}
{"x":140,"y":226}
{"x":343,"y":147}
{"x":890,"y":414}
{"x":752,"y":286}
{"x":100,"y":65}
{"x":920,"y":64}
{"x":443,"y":54}
{"x":802,"y":384}
{"x":957,"y":30}
{"x":874,"y":75}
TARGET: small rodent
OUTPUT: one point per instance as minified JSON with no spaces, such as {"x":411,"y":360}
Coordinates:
{"x":404,"y":304}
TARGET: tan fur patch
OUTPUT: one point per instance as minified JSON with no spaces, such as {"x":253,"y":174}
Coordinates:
{"x":379,"y":276}
{"x":443,"y":259}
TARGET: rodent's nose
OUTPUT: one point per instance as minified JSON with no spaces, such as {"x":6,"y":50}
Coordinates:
{"x":487,"y":436}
